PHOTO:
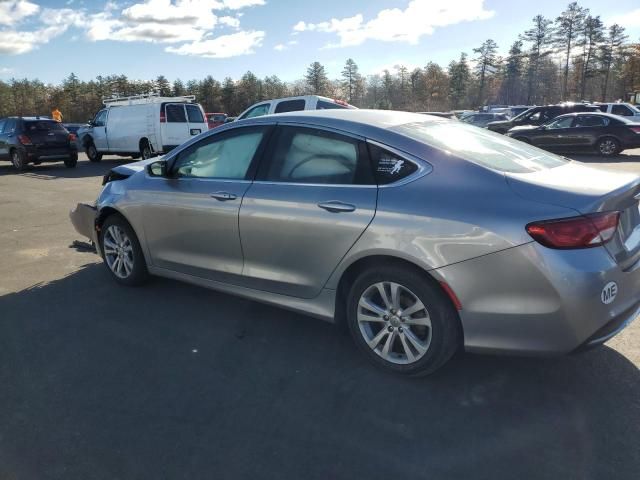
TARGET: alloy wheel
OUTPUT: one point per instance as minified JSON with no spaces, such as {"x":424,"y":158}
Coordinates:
{"x":118,"y":251}
{"x":394,"y":322}
{"x":608,"y":147}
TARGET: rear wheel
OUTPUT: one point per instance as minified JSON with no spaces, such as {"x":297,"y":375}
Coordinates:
{"x":121,"y":252}
{"x":92,"y":152}
{"x":19,"y":160}
{"x":402,"y":321}
{"x":145,"y":150}
{"x":608,"y":147}
{"x":72,"y":161}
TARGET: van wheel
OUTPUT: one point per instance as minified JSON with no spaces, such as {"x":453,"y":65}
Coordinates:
{"x":92,"y":153}
{"x":19,"y":160}
{"x":145,"y":150}
{"x":72,"y":161}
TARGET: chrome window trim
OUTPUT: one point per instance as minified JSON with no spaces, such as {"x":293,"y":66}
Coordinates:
{"x":424,"y":167}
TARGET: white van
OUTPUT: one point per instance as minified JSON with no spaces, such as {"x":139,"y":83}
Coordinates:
{"x":142,"y":126}
{"x":292,"y":104}
{"x":622,"y":109}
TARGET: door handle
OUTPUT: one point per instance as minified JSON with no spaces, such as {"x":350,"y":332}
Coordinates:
{"x":223,"y":196}
{"x":337,"y":207}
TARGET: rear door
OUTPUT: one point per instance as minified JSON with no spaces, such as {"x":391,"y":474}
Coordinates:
{"x":174,"y":126}
{"x":313,"y":198}
{"x":587,"y":130}
{"x":48,"y":136}
{"x":196,"y":119}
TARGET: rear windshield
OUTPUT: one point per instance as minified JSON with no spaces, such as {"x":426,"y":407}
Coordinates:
{"x":217,"y":118}
{"x":43,"y":126}
{"x":480,"y":146}
{"x":194,"y":114}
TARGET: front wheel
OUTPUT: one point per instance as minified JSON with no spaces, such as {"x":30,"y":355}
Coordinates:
{"x":92,"y":153}
{"x":402,"y":320}
{"x":608,"y":147}
{"x":121,"y":252}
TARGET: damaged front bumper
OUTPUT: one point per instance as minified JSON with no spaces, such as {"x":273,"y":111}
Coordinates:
{"x":83,"y":218}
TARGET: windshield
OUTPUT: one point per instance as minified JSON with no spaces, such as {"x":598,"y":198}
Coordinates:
{"x":523,"y":114}
{"x":480,"y":146}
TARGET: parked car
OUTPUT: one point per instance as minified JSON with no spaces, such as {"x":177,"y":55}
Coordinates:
{"x":293,"y":104}
{"x":575,"y":132}
{"x":482,"y":119}
{"x":25,"y":140}
{"x":518,"y":109}
{"x":74,"y":127}
{"x":462,"y":113}
{"x":539,"y":115}
{"x":142,"y":126}
{"x":622,"y":109}
{"x":215,"y":119}
{"x":422,"y":234}
{"x":230,"y":119}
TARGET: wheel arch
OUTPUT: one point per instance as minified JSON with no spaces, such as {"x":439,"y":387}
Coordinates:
{"x":106,"y":212}
{"x":86,"y":140}
{"x":351,"y":272}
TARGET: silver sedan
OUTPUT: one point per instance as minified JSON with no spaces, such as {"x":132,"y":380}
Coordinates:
{"x":424,"y":235}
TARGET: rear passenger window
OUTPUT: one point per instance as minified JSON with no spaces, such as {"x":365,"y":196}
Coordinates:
{"x":307,"y":155}
{"x":290,"y":106}
{"x":2,"y":123}
{"x":621,"y":110}
{"x":10,"y":126}
{"x":389,"y":167}
{"x":175,"y":113}
{"x":194,"y":114}
{"x":591,"y":121}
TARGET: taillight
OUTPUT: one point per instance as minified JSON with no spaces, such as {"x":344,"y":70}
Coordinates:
{"x":24,"y":140}
{"x":72,"y":137}
{"x":163,"y":118}
{"x":635,"y":129}
{"x":577,"y":232}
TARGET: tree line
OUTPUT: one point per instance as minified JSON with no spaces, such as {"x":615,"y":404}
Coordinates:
{"x":573,"y":57}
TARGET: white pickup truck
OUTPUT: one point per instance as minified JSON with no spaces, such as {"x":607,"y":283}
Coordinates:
{"x":622,"y":109}
{"x":141,"y":126}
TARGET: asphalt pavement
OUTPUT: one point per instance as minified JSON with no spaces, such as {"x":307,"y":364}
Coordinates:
{"x":172,"y":381}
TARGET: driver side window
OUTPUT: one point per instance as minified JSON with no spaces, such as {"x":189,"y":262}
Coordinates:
{"x":101,"y":119}
{"x":561,"y":123}
{"x":308,"y":155}
{"x":226,"y":156}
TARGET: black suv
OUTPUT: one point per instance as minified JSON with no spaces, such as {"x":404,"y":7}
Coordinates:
{"x":540,"y":115}
{"x":25,"y":140}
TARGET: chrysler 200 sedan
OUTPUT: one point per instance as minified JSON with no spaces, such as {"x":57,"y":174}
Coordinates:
{"x":424,"y":235}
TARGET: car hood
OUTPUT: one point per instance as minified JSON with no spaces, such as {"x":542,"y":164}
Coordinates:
{"x":524,"y":128}
{"x":135,"y":167}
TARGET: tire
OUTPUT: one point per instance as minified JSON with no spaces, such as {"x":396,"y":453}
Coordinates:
{"x":19,"y":160}
{"x":72,"y":161}
{"x":145,"y":150}
{"x":435,"y":326}
{"x":92,"y":152}
{"x":121,"y":252}
{"x":608,"y":147}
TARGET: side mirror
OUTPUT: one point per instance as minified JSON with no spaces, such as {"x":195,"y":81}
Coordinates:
{"x":157,"y":168}
{"x":90,"y":122}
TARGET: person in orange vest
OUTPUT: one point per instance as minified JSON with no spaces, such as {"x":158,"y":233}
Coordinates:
{"x":56,"y":114}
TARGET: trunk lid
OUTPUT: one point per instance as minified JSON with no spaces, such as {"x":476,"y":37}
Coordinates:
{"x":590,"y":190}
{"x":46,"y":134}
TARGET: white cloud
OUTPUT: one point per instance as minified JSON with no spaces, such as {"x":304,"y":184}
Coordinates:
{"x":628,"y":20}
{"x":238,"y":4}
{"x":225,"y":46}
{"x":13,"y":42}
{"x":285,"y":46}
{"x":13,"y":11}
{"x":232,"y":22}
{"x":396,"y":25}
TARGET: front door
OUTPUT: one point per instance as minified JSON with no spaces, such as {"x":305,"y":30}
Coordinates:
{"x":191,"y":219}
{"x":555,"y":134}
{"x":99,"y":131}
{"x":313,"y":198}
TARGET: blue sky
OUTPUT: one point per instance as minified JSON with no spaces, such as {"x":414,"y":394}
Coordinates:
{"x":194,"y":38}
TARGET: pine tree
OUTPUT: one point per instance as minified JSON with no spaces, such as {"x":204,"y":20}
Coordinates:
{"x":316,"y":78}
{"x":459,"y":77}
{"x":350,"y":80}
{"x":591,"y":38}
{"x":609,"y":52}
{"x":568,"y":27}
{"x":486,"y":63}
{"x":539,"y":36}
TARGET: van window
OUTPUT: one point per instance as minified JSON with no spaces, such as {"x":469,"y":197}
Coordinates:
{"x":290,"y":106}
{"x":621,"y":110}
{"x":101,"y":119}
{"x":175,"y":113}
{"x":194,"y":114}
